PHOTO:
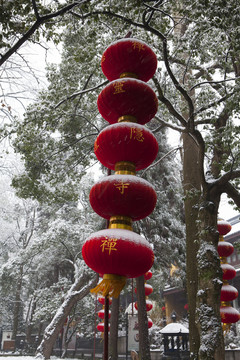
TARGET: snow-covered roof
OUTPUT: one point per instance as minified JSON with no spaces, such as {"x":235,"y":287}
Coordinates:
{"x":174,"y":328}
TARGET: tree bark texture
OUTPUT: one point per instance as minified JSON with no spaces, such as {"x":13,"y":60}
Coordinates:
{"x":191,"y":186}
{"x":144,"y":344}
{"x":209,"y":282}
{"x":113,"y":338}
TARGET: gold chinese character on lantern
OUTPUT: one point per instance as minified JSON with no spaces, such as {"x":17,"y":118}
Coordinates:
{"x":136,"y":134}
{"x":122,"y":186}
{"x":118,"y":87}
{"x":139,"y":46}
{"x":109,"y":244}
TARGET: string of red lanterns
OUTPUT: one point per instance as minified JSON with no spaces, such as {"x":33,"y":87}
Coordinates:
{"x":229,"y":293}
{"x":101,"y":314}
{"x":125,"y":146}
{"x":148,"y":290}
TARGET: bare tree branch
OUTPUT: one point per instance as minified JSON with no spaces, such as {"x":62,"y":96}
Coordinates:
{"x":39,"y":21}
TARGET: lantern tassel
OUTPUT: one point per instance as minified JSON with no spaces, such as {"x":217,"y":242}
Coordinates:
{"x":111,"y":285}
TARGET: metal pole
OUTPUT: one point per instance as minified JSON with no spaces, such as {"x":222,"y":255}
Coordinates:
{"x":126,"y":336}
{"x":106,"y":314}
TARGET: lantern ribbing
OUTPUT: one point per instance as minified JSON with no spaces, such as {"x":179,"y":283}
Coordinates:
{"x":125,"y":146}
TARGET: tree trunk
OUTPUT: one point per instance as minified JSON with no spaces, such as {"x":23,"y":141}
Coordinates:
{"x":144,"y":344}
{"x":209,"y":282}
{"x":53,"y":329}
{"x":113,"y":338}
{"x":191,"y":186}
{"x":17,"y":304}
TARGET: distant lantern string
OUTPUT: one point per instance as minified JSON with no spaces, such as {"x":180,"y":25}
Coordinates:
{"x":148,"y":290}
{"x":124,"y":146}
{"x":229,"y":293}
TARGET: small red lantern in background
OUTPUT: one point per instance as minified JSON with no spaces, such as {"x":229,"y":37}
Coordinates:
{"x":101,"y":300}
{"x":225,"y":248}
{"x":148,"y":289}
{"x":224,"y":227}
{"x":228,"y":293}
{"x":129,"y":57}
{"x":101,"y":314}
{"x":148,"y":275}
{"x":100,"y":327}
{"x":150,"y":323}
{"x":229,"y":315}
{"x":228,"y":271}
{"x":149,"y":305}
{"x":186,"y":307}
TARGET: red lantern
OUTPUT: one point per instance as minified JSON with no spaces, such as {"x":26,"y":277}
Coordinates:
{"x":100,"y":327}
{"x":186,"y":307}
{"x":228,"y":293}
{"x":150,"y":323}
{"x":101,"y":314}
{"x":123,"y":195}
{"x":163,"y":308}
{"x":225,"y":248}
{"x":126,"y":141}
{"x":127,"y":99}
{"x":149,"y":305}
{"x":118,"y":254}
{"x":224,"y":227}
{"x":228,"y":271}
{"x":148,"y":275}
{"x":148,"y":289}
{"x":229,"y":314}
{"x":101,"y":299}
{"x":129,"y":57}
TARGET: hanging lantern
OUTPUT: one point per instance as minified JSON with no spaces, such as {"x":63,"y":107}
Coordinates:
{"x":150,"y":323}
{"x":101,"y":314}
{"x":100,"y":327}
{"x":148,"y":275}
{"x":228,"y":293}
{"x":223,"y":227}
{"x":148,"y":289}
{"x":128,"y":142}
{"x":118,"y":254}
{"x":129,"y":57}
{"x":225,"y":248}
{"x":101,"y":299}
{"x":125,"y":195}
{"x":229,"y":314}
{"x":186,"y":307}
{"x":127,"y":100}
{"x":149,"y":305}
{"x":228,"y":271}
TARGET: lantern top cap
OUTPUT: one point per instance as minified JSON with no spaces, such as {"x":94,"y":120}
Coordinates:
{"x":129,"y":56}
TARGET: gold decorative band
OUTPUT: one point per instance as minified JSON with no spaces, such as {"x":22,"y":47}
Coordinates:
{"x":125,"y":168}
{"x":127,"y":118}
{"x":225,"y":303}
{"x":120,"y":222}
{"x":129,"y":75}
{"x":221,"y":238}
{"x":113,"y":277}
